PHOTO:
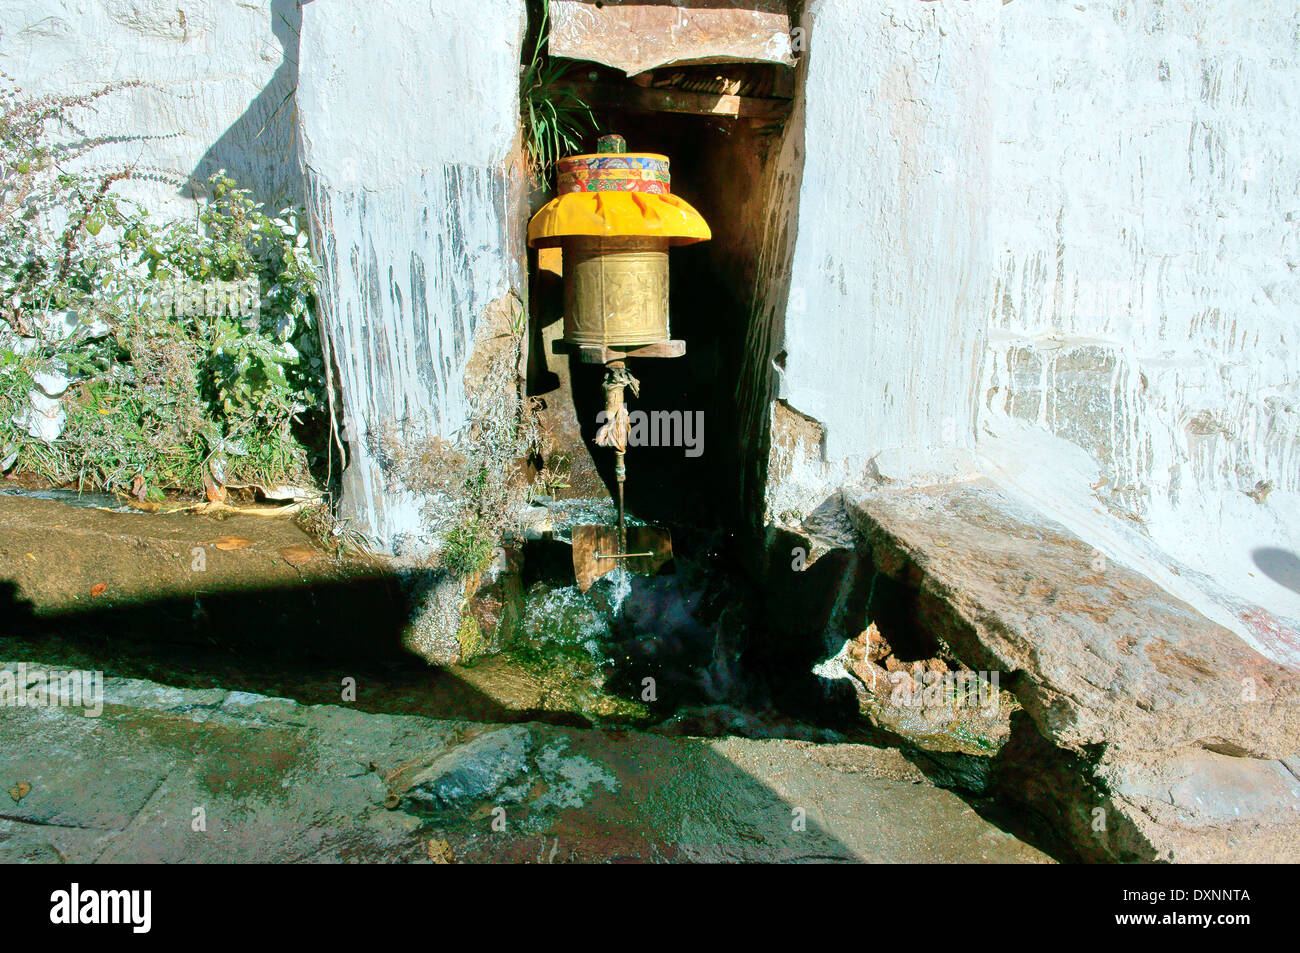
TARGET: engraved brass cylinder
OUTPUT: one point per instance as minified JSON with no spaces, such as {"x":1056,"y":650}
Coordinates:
{"x":616,"y":291}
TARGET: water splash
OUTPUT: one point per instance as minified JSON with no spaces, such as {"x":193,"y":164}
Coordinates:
{"x":620,"y":587}
{"x":565,"y":618}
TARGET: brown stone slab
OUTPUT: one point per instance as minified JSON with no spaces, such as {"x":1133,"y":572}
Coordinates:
{"x":1097,"y":652}
{"x":638,"y":36}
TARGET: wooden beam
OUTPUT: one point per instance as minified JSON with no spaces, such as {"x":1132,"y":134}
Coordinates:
{"x":599,"y":354}
{"x":652,"y":99}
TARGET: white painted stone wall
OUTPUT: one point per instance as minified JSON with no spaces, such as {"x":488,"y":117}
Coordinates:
{"x":884,"y":323}
{"x":1063,"y":236}
{"x":216,"y":74}
{"x":1145,"y":225}
{"x":410,"y":121}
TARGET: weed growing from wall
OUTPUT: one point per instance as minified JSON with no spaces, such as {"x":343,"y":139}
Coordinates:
{"x":554,"y":118}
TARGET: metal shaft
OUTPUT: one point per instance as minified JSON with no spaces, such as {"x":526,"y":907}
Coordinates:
{"x":620,"y":475}
{"x":614,"y":433}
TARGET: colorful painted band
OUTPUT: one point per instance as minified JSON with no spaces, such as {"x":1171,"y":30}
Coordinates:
{"x":627,"y":160}
{"x":614,"y":180}
{"x":618,"y":185}
{"x":650,"y":174}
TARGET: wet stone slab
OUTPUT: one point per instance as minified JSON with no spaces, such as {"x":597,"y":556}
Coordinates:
{"x":170,"y":775}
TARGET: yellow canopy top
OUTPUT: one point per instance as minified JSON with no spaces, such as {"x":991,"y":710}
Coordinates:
{"x":613,"y":214}
{"x":613,"y":194}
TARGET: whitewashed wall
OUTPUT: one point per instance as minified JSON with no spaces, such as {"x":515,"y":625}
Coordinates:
{"x":217,"y":74}
{"x":410,"y":118}
{"x":884,"y":321}
{"x":1065,"y":235}
{"x":1145,"y":222}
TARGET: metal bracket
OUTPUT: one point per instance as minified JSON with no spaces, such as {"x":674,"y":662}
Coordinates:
{"x":603,"y":354}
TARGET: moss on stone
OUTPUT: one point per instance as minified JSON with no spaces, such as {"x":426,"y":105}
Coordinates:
{"x":470,"y":637}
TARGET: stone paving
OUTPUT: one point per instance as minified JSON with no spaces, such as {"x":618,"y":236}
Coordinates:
{"x":165,"y":774}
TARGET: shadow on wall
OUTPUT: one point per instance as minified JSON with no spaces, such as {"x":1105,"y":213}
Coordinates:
{"x":260,"y":148}
{"x":1280,"y":565}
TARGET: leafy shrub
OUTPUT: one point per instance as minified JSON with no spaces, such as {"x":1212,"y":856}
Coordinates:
{"x":165,"y":392}
{"x":554,"y":118}
{"x":468,"y":547}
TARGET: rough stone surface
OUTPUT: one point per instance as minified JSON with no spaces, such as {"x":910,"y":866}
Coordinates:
{"x":635,"y":37}
{"x":938,"y":706}
{"x":1149,"y":733}
{"x":474,"y":771}
{"x":1096,"y":653}
{"x":1185,"y":806}
{"x":1223,"y":810}
{"x":436,"y":618}
{"x":281,"y":782}
{"x":1201,"y":789}
{"x":416,"y":206}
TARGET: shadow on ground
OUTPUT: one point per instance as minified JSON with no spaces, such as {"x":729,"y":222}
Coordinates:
{"x":636,"y":797}
{"x":302,"y":643}
{"x":298,"y":642}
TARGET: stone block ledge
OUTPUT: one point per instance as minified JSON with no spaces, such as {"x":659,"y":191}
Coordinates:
{"x":1150,"y":733}
{"x":1097,"y":653}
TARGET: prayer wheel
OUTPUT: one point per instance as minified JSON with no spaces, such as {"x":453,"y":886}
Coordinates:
{"x":615,"y":218}
{"x":616,"y":291}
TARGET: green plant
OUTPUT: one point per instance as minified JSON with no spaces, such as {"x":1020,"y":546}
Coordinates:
{"x":260,"y":365}
{"x":143,"y":388}
{"x":470,"y":637}
{"x":552,"y":478}
{"x":52,"y":252}
{"x":555,"y":118}
{"x":467,"y":549}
